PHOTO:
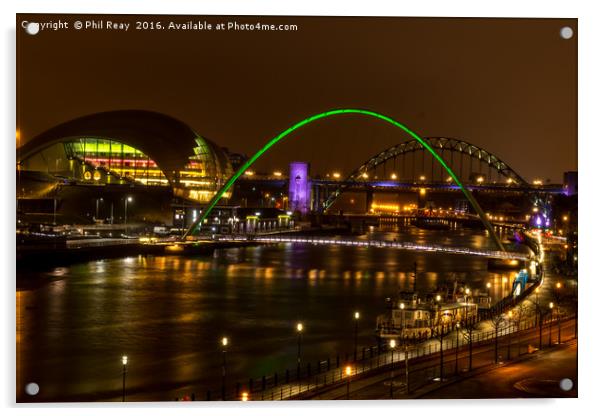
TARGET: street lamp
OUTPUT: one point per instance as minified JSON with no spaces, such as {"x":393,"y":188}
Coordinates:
{"x":125,"y":216}
{"x":348,"y":374}
{"x":392,"y":345}
{"x":551,"y":305}
{"x":402,"y":306}
{"x":224,"y":345}
{"x":457,"y":345}
{"x":124,"y":361}
{"x":299,"y":331}
{"x":356,"y":318}
{"x":557,"y":298}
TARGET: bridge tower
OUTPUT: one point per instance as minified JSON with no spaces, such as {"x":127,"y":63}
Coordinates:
{"x":299,"y":187}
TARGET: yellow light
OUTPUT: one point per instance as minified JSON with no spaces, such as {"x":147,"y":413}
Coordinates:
{"x":402,"y":305}
{"x":348,"y":370}
{"x":365,"y":175}
{"x":422,"y":191}
{"x":510,"y":314}
{"x":551,"y":305}
{"x":422,"y":177}
{"x":336,"y":175}
{"x":537,"y":182}
{"x":565,"y":218}
{"x":488,"y":285}
{"x":509,"y":180}
{"x":299,"y":327}
{"x":225,"y":341}
{"x":356,"y":315}
{"x":277,"y":173}
{"x":249,"y":173}
{"x":393,"y":176}
{"x":558,"y":285}
{"x":467,"y":291}
{"x":245,"y":396}
{"x":438,"y":298}
{"x":480,"y":179}
{"x":124,"y":360}
{"x":449,"y":179}
{"x":392,"y":343}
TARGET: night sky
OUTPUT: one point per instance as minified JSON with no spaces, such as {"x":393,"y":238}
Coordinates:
{"x":507,"y":85}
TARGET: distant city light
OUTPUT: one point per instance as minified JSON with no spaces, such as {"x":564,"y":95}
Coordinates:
{"x":393,"y":176}
{"x":365,"y":175}
{"x":422,"y":177}
{"x":277,"y":173}
{"x":249,"y":173}
{"x":336,"y":175}
{"x":537,"y":182}
{"x":422,"y":191}
{"x":480,"y":179}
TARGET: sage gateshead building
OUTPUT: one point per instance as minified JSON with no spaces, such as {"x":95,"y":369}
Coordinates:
{"x":111,"y":154}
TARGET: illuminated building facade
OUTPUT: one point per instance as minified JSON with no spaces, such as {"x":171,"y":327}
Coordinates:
{"x":138,"y":148}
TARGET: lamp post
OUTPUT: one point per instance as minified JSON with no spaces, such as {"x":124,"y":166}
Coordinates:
{"x":224,"y":345}
{"x":466,"y":293}
{"x":551,"y":305}
{"x":510,"y":314}
{"x":125,"y":216}
{"x":457,"y":345}
{"x":558,"y":287}
{"x":402,"y":306}
{"x":392,"y":345}
{"x":299,"y":331}
{"x":356,"y":318}
{"x":348,"y":374}
{"x":98,"y":200}
{"x":124,"y":361}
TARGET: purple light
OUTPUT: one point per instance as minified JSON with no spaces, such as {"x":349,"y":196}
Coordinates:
{"x":299,"y":191}
{"x":538,"y":221}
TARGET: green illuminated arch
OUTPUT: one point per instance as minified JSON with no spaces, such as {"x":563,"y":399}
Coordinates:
{"x":218,"y":195}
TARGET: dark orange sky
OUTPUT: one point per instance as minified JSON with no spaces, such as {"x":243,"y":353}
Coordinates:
{"x":507,"y":85}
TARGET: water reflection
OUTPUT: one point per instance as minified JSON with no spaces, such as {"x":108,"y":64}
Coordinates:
{"x":168,"y":313}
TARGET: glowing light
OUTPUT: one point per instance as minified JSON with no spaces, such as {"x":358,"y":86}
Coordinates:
{"x":385,"y":207}
{"x":422,"y":177}
{"x":277,"y":173}
{"x":124,"y":360}
{"x":537,"y":182}
{"x":480,"y":179}
{"x":488,"y":285}
{"x":249,"y":173}
{"x":299,"y":327}
{"x":225,"y":341}
{"x":393,"y":176}
{"x":348,"y":370}
{"x":365,"y":175}
{"x":336,"y":175}
{"x":402,"y":305}
{"x":245,"y":396}
{"x":422,"y":191}
{"x":565,"y":218}
{"x":509,"y":180}
{"x":392,"y":344}
{"x":438,"y":298}
{"x":356,"y":315}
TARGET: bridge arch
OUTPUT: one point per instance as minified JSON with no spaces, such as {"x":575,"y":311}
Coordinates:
{"x":218,"y":195}
{"x":439,"y":144}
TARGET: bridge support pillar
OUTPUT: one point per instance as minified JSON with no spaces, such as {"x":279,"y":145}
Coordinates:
{"x":369,"y":199}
